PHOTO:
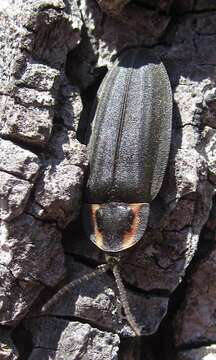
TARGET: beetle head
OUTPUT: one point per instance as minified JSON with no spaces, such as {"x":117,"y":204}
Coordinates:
{"x":116,"y":226}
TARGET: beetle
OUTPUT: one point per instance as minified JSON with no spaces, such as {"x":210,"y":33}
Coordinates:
{"x":128,"y":150}
{"x":128,"y":154}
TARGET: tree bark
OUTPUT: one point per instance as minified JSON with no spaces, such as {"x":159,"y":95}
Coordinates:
{"x":54,"y":55}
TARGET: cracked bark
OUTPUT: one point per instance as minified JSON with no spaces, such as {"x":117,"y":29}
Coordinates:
{"x":54,"y":55}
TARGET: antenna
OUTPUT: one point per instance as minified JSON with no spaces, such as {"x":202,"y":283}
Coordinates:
{"x":3,"y":207}
{"x":3,"y":216}
{"x":112,"y":264}
{"x":124,"y":301}
{"x":114,"y":261}
{"x":101,"y":269}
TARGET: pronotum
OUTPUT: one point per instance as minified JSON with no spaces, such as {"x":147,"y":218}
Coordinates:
{"x":128,"y":154}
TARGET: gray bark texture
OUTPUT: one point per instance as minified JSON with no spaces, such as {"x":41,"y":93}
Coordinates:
{"x":54,"y":55}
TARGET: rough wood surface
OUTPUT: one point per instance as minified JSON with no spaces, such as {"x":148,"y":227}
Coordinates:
{"x":54,"y":54}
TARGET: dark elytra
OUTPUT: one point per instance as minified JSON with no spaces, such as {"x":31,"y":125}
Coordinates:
{"x":128,"y":149}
